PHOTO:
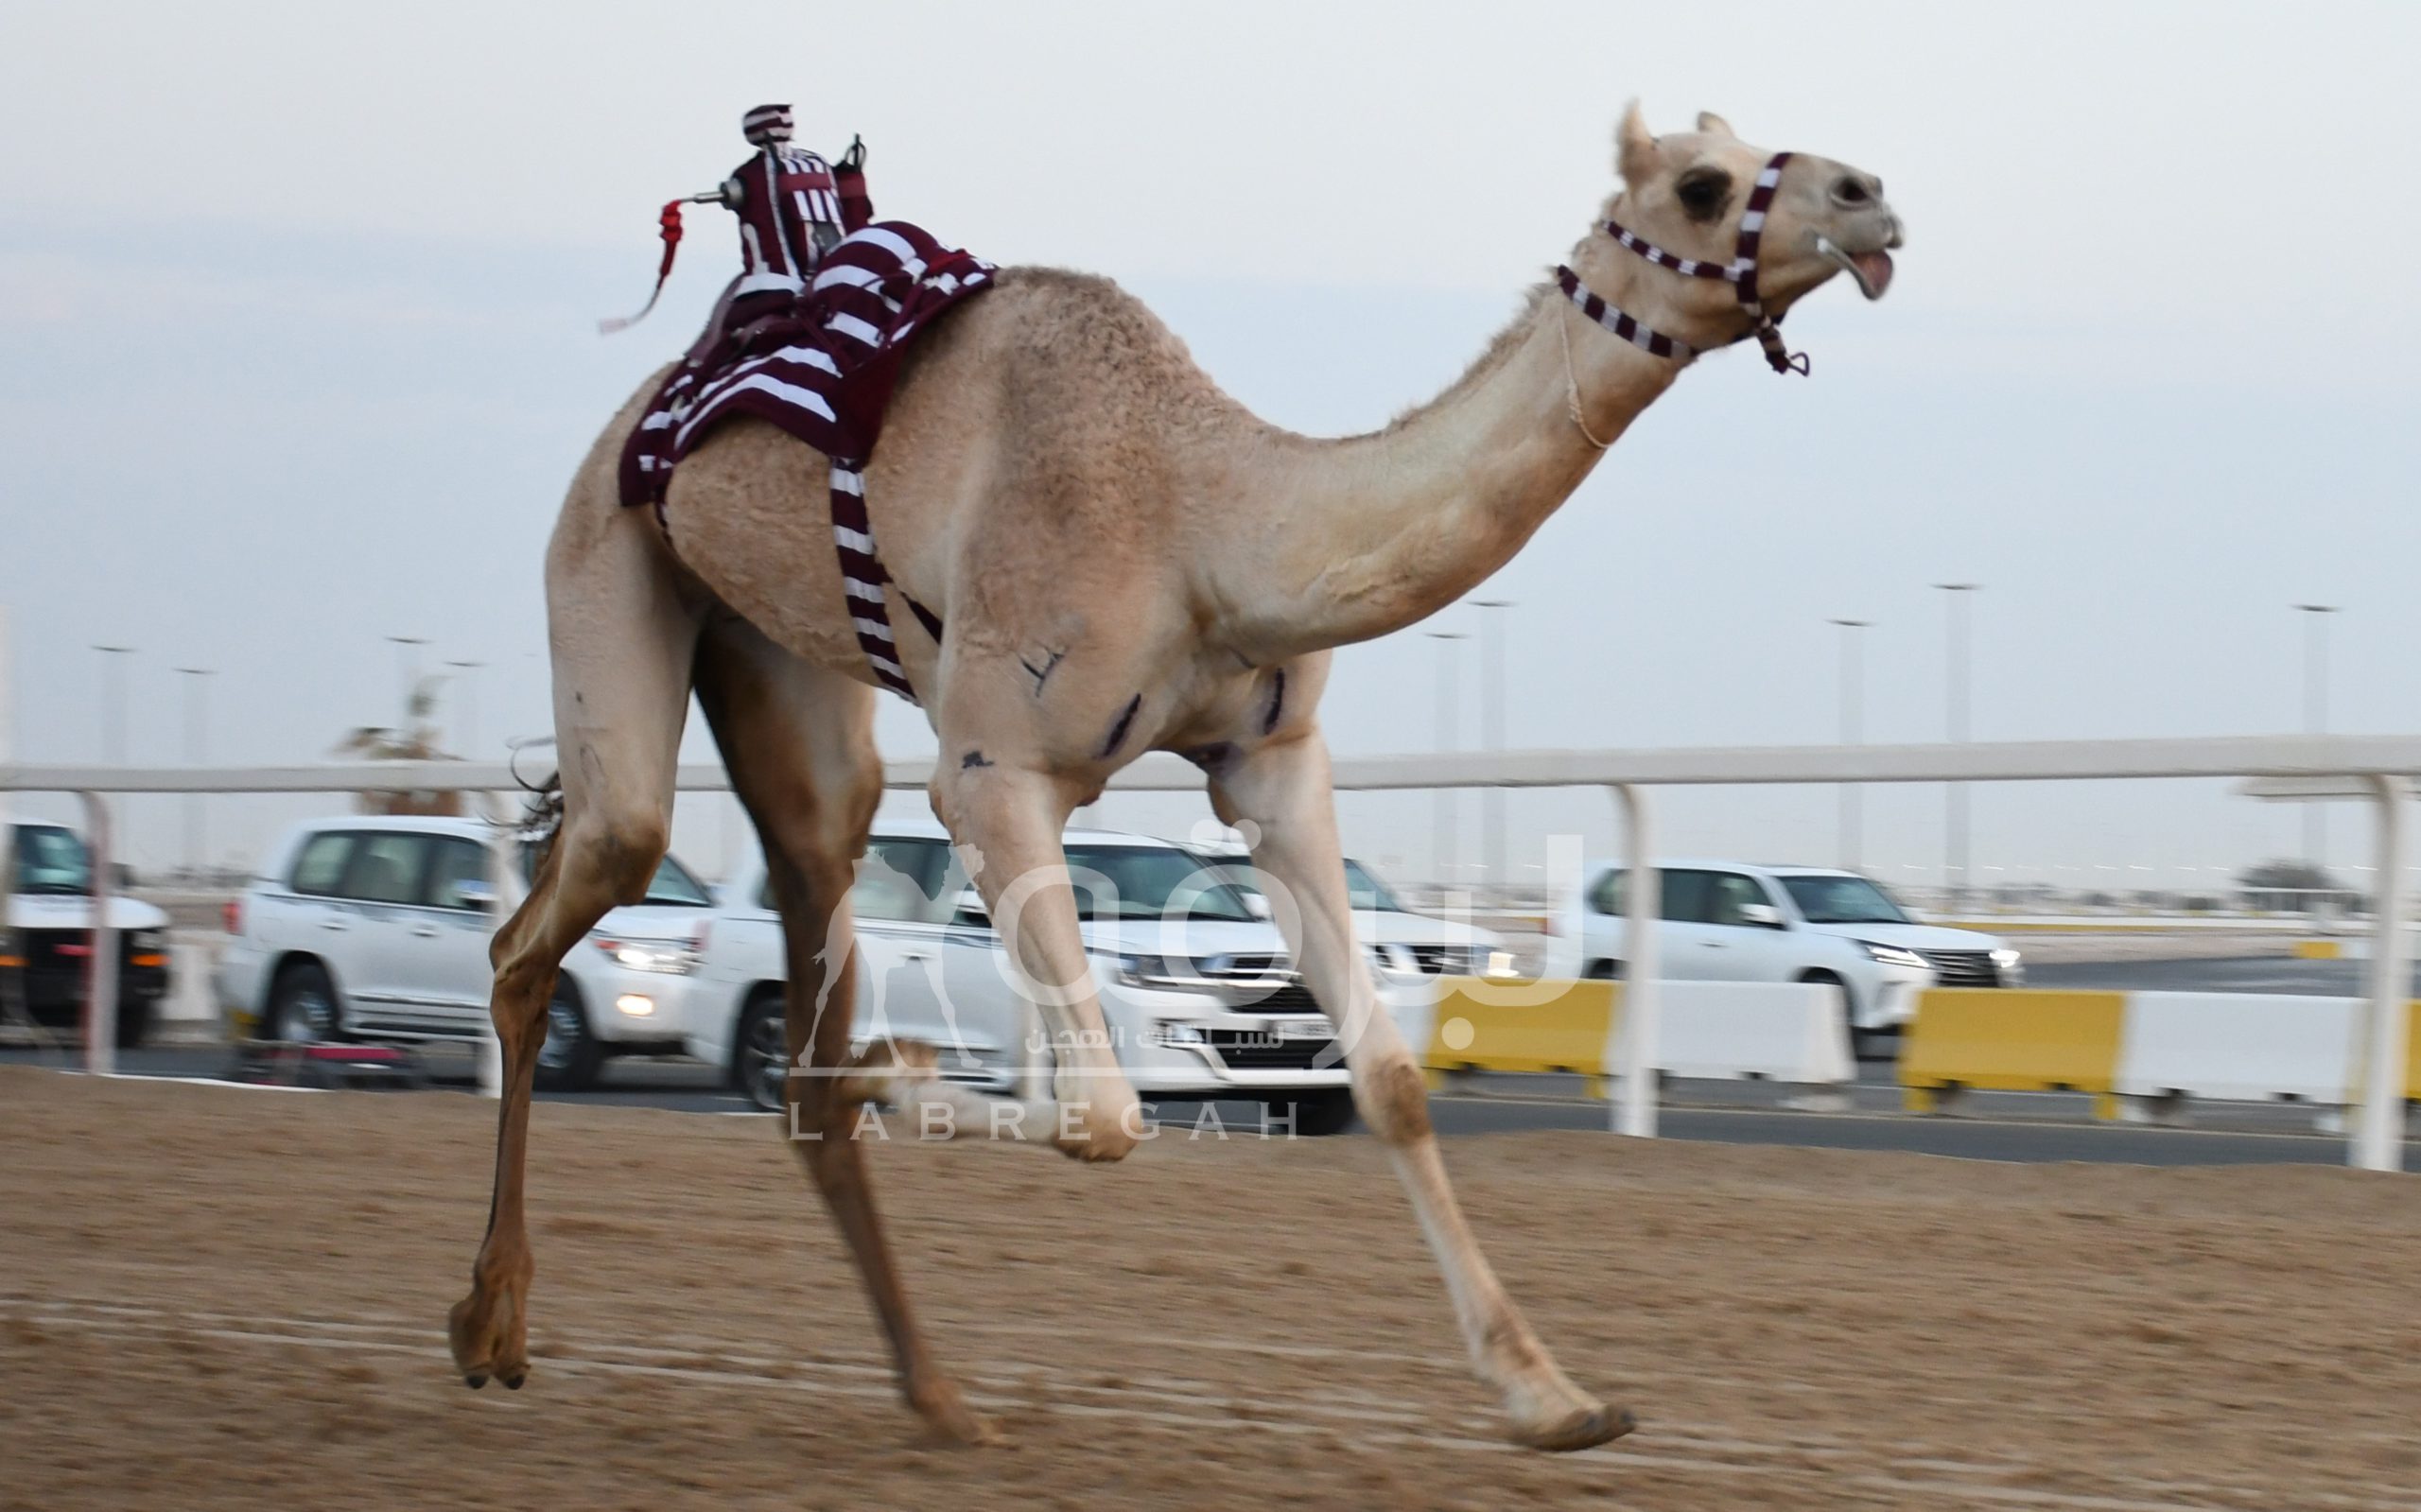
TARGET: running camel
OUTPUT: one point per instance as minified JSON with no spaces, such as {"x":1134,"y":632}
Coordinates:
{"x":1122,"y":559}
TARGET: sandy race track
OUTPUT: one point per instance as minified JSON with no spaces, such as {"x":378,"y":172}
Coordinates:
{"x":224,"y":1299}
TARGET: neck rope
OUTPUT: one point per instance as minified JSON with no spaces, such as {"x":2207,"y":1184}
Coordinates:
{"x":1741,"y":273}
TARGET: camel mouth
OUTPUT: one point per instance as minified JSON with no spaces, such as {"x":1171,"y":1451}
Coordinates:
{"x":1873,"y":269}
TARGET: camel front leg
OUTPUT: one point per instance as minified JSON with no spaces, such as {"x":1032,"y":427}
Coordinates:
{"x":621,"y":639}
{"x":590,"y":867}
{"x":1281,"y":788}
{"x":1006,"y":826}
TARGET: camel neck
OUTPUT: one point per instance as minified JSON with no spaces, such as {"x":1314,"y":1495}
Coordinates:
{"x":1365,"y":535}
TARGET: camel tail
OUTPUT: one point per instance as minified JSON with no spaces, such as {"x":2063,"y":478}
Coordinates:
{"x":543,"y":816}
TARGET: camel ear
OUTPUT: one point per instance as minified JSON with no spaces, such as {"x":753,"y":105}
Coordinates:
{"x":1713,"y":125}
{"x":1635,"y":152}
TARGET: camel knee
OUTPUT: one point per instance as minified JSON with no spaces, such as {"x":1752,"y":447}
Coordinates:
{"x":622,"y":854}
{"x":1393,"y":1099}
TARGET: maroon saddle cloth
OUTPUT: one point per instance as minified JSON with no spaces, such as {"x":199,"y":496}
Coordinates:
{"x":820,"y":366}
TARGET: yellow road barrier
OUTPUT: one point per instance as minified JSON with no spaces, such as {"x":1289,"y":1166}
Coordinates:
{"x":1569,"y":1033}
{"x":2318,"y":950}
{"x":2004,"y":1040}
{"x":2412,"y":1050}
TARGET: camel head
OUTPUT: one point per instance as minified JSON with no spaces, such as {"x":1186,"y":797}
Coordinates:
{"x":1686,"y":193}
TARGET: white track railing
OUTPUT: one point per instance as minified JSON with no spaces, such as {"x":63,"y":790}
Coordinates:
{"x":2380,"y":766}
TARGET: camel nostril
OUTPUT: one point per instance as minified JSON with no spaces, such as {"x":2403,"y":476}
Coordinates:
{"x":1849,"y":189}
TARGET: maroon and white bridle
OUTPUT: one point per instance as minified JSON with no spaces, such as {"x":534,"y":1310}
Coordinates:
{"x":1741,"y":273}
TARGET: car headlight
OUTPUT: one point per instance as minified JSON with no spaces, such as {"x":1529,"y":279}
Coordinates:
{"x":2006,"y":958}
{"x":1500,"y":963}
{"x":1892,"y":955}
{"x":147,"y":939}
{"x":672,"y":958}
{"x":1149,"y":970}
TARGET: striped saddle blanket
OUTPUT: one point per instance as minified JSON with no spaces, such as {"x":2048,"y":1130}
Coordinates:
{"x":821,"y":368}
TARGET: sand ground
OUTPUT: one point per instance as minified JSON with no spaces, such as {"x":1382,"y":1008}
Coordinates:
{"x":215,"y":1298}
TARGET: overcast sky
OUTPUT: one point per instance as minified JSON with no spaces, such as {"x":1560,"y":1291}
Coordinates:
{"x":297,"y":353}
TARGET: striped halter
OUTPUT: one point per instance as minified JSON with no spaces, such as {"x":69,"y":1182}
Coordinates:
{"x":1741,"y":273}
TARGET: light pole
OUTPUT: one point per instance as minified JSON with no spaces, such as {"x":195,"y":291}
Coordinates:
{"x":1491,"y":739}
{"x":2316,"y":716}
{"x":1447,"y":723}
{"x":466,"y":671}
{"x":1852,"y":721}
{"x":1955,"y":802}
{"x":197,"y":752}
{"x":408,"y":667}
{"x":113,"y":703}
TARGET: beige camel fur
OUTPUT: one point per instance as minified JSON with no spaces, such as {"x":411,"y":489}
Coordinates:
{"x":1126,"y":561}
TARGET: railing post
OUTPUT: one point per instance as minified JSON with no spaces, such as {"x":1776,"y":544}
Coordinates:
{"x":2379,"y":1133}
{"x":11,"y":978}
{"x":100,"y":1004}
{"x":1635,"y":1045}
{"x":505,"y":895}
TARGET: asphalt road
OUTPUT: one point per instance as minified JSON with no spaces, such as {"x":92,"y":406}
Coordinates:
{"x":2024,"y":1128}
{"x":2001,"y":1126}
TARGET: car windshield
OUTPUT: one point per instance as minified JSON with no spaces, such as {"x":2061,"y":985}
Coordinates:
{"x":1366,"y":893}
{"x":52,"y":859}
{"x":673,"y":884}
{"x":1363,"y":892}
{"x":1151,"y":882}
{"x":1843,"y":900}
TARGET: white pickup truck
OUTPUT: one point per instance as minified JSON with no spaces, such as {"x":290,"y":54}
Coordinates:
{"x":46,"y":961}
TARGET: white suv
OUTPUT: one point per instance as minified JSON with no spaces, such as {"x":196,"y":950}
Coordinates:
{"x":1727,"y":921}
{"x":377,"y":927}
{"x":1403,"y":943}
{"x":1195,"y":985}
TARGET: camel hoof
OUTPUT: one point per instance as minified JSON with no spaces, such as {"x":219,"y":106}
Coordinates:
{"x":967,"y":1432}
{"x":1584,"y":1429}
{"x":1095,"y":1151}
{"x":888,"y":1071}
{"x":482,"y":1345}
{"x":1101,"y":1137}
{"x":950,"y":1422}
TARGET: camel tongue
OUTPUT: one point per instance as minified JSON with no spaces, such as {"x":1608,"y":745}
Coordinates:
{"x":1876,"y":267}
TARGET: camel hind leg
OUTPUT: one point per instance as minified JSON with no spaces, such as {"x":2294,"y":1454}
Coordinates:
{"x":798,"y":741}
{"x":623,"y":638}
{"x":1282,"y":789}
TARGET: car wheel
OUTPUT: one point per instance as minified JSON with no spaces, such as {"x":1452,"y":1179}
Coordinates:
{"x":1604,"y":971}
{"x":302,"y":1006}
{"x":1316,"y":1115}
{"x":567,"y":1060}
{"x":761,"y":1049}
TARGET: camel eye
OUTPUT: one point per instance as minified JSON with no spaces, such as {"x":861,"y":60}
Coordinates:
{"x":1703,"y":192}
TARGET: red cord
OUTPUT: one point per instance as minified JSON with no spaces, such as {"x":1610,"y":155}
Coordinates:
{"x":668,"y":220}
